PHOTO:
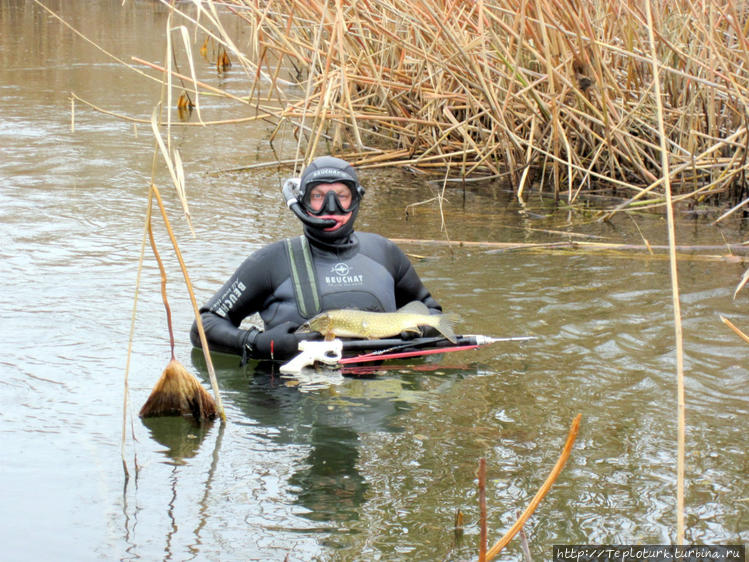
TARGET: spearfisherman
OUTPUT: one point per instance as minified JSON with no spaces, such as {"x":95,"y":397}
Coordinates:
{"x":329,"y":267}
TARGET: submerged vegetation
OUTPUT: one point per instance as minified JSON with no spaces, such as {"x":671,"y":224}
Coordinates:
{"x":553,"y":95}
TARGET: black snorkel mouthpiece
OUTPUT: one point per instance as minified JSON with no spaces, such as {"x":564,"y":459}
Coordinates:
{"x":290,"y":191}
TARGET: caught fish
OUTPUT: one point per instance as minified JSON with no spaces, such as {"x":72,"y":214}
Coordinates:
{"x":351,"y":323}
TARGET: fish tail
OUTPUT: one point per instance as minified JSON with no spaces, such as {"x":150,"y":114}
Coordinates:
{"x":444,"y":326}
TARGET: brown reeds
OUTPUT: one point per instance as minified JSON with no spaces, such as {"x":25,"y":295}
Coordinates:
{"x":675,"y":300}
{"x":483,"y":532}
{"x":558,"y":95}
{"x":734,"y":328}
{"x":177,"y":392}
{"x":486,"y":555}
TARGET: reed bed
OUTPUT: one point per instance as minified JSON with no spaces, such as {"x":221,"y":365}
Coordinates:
{"x":554,"y":95}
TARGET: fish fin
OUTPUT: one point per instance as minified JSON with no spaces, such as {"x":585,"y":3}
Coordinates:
{"x":445,"y":327}
{"x":415,"y":307}
{"x":453,"y":317}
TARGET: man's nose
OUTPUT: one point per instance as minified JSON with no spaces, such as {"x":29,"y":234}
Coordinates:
{"x":330,"y":203}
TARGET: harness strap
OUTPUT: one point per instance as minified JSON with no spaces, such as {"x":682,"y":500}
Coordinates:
{"x":303,"y":276}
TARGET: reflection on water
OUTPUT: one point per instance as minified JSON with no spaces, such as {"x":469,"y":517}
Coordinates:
{"x":328,"y":484}
{"x":329,"y":421}
{"x":372,"y":467}
{"x":181,"y":436}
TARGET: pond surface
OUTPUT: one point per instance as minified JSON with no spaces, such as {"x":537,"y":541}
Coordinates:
{"x":365,"y":468}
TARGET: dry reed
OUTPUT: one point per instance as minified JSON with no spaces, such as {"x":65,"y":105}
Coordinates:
{"x":535,"y":501}
{"x":734,"y":328}
{"x":539,"y":92}
{"x":178,"y":393}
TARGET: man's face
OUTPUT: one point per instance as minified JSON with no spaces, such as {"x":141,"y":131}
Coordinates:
{"x":317,"y":197}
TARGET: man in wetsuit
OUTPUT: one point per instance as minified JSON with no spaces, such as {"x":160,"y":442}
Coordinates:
{"x":348,"y":269}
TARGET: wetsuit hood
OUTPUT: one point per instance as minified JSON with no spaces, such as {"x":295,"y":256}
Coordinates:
{"x":328,"y":169}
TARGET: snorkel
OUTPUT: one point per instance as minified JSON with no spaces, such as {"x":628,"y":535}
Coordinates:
{"x":290,"y":191}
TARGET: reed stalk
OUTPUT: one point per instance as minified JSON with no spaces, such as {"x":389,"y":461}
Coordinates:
{"x":483,"y":533}
{"x":744,"y":280}
{"x":734,"y":328}
{"x":193,"y":301}
{"x":681,"y":409}
{"x":735,"y":250}
{"x":542,"y":491}
{"x":131,"y":338}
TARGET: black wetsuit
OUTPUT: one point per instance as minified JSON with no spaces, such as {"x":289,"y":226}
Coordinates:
{"x":367,"y":272}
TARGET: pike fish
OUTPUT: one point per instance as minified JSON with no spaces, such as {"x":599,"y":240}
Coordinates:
{"x":349,"y":323}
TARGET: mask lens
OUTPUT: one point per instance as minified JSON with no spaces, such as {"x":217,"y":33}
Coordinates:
{"x":345,"y":199}
{"x":339,"y":200}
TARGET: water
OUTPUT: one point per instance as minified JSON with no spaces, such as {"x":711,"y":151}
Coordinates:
{"x":367,"y":468}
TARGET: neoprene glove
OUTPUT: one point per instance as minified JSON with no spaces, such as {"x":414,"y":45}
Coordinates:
{"x":408,"y":335}
{"x":279,"y":342}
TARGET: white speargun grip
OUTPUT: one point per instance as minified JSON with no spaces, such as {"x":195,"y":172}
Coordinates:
{"x":328,"y":352}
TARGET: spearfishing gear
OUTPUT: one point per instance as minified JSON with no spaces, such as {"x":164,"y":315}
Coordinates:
{"x":291,"y":193}
{"x":331,"y":203}
{"x":329,"y":352}
{"x":328,"y":169}
{"x":382,"y":349}
{"x":319,"y":223}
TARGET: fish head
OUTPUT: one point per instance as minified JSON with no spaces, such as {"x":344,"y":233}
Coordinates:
{"x":320,"y":323}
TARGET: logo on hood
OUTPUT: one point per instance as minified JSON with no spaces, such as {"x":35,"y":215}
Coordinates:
{"x":329,"y":173}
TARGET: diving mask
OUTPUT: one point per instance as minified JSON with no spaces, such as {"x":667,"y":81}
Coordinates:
{"x":338,"y":200}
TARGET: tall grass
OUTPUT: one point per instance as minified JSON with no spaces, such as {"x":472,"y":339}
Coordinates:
{"x":554,"y":94}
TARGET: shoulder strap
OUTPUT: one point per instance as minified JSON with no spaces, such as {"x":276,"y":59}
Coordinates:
{"x":303,"y":276}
